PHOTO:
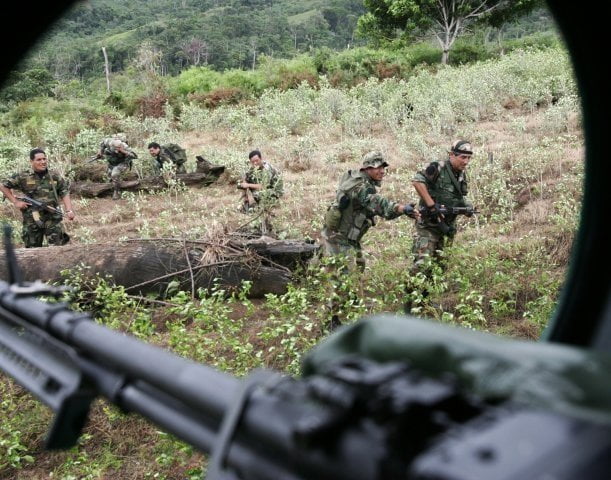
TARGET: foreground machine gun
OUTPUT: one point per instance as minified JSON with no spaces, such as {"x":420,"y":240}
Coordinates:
{"x":354,"y":415}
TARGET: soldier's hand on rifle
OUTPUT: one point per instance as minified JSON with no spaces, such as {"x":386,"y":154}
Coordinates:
{"x":20,"y":204}
{"x":435,"y":210}
{"x":410,"y":210}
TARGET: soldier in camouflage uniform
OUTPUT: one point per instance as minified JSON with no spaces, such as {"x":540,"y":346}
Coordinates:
{"x":163,"y":155}
{"x":119,"y":157}
{"x":353,"y":213}
{"x":47,"y":187}
{"x":441,"y":183}
{"x":262,"y":186}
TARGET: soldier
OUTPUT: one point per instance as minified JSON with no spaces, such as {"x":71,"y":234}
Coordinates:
{"x":165,"y":155}
{"x":44,"y":186}
{"x":119,"y":157}
{"x":353,"y":213}
{"x":441,"y":183}
{"x":261,"y":187}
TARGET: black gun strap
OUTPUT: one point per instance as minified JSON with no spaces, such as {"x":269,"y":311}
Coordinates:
{"x":216,"y":469}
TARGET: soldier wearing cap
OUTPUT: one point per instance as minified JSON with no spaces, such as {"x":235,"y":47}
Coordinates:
{"x":357,"y":203}
{"x":441,"y":183}
{"x":119,"y":157}
{"x":47,"y":187}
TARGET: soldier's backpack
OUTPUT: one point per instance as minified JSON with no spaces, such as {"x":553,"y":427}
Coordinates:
{"x":179,"y":153}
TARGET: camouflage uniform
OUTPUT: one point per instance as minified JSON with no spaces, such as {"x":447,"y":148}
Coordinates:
{"x":264,"y":199}
{"x":347,"y":220}
{"x":353,"y":212}
{"x":48,"y":188}
{"x":447,"y":187}
{"x":166,"y":156}
{"x":117,"y":162}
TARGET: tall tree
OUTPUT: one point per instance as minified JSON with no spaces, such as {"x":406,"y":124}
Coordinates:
{"x":446,"y":19}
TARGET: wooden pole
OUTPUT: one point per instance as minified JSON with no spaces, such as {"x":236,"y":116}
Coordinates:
{"x":106,"y":69}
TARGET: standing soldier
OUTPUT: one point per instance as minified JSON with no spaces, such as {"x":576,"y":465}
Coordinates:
{"x":119,"y":157}
{"x":352,"y":214}
{"x":48,"y":190}
{"x":261,"y":187}
{"x":171,"y":154}
{"x":441,"y":184}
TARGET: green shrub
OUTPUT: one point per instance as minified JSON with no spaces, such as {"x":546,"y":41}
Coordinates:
{"x":197,"y":80}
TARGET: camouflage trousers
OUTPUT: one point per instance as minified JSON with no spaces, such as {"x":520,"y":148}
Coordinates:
{"x":37,"y":225}
{"x":114,"y":172}
{"x":428,"y":247}
{"x":347,"y":258}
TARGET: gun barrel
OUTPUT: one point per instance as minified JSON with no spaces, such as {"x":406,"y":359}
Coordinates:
{"x":188,"y":399}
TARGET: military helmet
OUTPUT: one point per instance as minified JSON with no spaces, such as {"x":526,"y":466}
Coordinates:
{"x":461,"y":147}
{"x":374,"y":159}
{"x":120,"y":136}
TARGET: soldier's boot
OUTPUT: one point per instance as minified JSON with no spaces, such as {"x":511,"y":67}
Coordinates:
{"x":116,"y":195}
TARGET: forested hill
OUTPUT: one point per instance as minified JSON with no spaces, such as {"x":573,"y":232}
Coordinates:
{"x":176,"y":34}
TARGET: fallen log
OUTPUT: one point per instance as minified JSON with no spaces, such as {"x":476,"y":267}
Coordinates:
{"x":148,"y":266}
{"x":99,"y":189}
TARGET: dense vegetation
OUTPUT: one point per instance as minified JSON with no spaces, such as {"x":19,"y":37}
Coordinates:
{"x":313,"y":116}
{"x":170,"y":35}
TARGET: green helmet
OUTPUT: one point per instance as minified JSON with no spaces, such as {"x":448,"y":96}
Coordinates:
{"x":374,"y":159}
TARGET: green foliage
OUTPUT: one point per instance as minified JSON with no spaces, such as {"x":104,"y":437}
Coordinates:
{"x":387,"y":19}
{"x":329,"y":128}
{"x":186,"y":34}
{"x":110,"y":304}
{"x":22,"y":86}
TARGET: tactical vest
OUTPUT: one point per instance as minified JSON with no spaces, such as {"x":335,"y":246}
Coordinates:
{"x":346,"y":217}
{"x":445,"y":188}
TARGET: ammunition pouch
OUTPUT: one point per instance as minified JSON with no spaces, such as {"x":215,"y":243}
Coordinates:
{"x":333,"y":218}
{"x":359,"y":228}
{"x":445,"y":229}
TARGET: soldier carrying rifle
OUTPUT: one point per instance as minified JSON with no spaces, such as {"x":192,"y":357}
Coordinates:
{"x":442,"y":187}
{"x":261,"y":187}
{"x":43,"y":191}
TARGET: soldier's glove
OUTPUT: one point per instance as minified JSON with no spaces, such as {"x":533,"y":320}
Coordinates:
{"x":409,"y":210}
{"x":434,"y":211}
{"x":470,"y":211}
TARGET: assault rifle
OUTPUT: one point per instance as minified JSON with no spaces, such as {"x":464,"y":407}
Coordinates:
{"x":355,"y":419}
{"x":443,"y":210}
{"x":40,"y":205}
{"x":437,"y":213}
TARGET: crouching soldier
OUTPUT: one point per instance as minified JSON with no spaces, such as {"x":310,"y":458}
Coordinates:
{"x":171,"y":154}
{"x":119,"y":157}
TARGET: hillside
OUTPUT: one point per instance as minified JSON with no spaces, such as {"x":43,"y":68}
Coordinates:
{"x":521,"y":112}
{"x":229,"y":34}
